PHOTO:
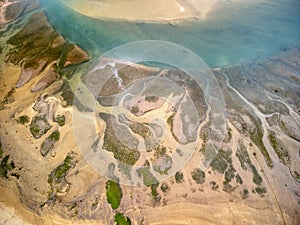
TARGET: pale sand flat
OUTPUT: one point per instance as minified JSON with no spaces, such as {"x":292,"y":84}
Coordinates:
{"x":143,"y":10}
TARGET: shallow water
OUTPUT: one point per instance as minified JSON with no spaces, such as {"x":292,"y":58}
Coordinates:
{"x":235,"y":32}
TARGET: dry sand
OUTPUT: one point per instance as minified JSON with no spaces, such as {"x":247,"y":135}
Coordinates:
{"x":143,"y":10}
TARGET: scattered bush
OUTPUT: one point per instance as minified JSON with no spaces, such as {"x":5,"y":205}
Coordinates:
{"x":49,"y":142}
{"x":243,"y":156}
{"x":261,"y":191}
{"x":221,"y":161}
{"x":60,"y":120}
{"x":228,"y":187}
{"x":245,"y":194}
{"x":214,"y":185}
{"x":229,"y":174}
{"x":199,"y":176}
{"x":179,"y":177}
{"x":256,"y":177}
{"x":256,"y":135}
{"x":164,"y":187}
{"x":281,"y":152}
{"x":23,"y":119}
{"x":238,"y":179}
{"x":154,"y":192}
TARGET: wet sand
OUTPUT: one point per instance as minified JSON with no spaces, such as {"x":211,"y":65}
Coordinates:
{"x":143,"y":10}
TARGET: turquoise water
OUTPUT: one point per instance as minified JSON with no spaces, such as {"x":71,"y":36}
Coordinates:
{"x":236,"y":32}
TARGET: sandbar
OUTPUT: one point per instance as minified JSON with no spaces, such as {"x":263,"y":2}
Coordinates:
{"x":143,"y":10}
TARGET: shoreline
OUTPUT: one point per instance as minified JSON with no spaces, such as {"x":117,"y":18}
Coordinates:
{"x":170,"y":12}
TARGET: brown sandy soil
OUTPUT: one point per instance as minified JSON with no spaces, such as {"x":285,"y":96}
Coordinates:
{"x":185,"y":203}
{"x":83,"y":198}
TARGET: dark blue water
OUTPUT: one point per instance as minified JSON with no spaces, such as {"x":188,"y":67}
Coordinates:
{"x":234,"y":33}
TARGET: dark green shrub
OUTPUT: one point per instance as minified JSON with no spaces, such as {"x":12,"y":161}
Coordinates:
{"x":113,"y":194}
{"x":179,"y":177}
{"x":198,"y":176}
{"x":120,"y":219}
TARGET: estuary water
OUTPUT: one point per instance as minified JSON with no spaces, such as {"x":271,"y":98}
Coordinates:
{"x":234,"y":32}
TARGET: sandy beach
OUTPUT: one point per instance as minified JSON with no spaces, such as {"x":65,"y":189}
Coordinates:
{"x":143,"y":10}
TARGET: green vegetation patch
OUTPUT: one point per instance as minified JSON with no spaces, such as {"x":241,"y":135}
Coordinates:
{"x":23,"y":119}
{"x":121,"y":152}
{"x":238,"y":179}
{"x":296,"y":175}
{"x":214,"y":186}
{"x":151,"y":98}
{"x":113,"y":194}
{"x":256,"y":177}
{"x":229,"y":174}
{"x":120,"y":219}
{"x":281,"y":152}
{"x":134,"y":110}
{"x":39,"y":126}
{"x":148,"y":177}
{"x":198,"y":176}
{"x":60,"y":120}
{"x":256,"y":136}
{"x":219,"y":165}
{"x":145,"y":132}
{"x":246,"y":163}
{"x":244,"y":193}
{"x":229,"y":134}
{"x":261,"y":191}
{"x":227,"y":187}
{"x":243,"y":156}
{"x":179,"y":177}
{"x":54,"y":136}
{"x":49,"y":142}
{"x":112,"y":143}
{"x":140,"y":129}
{"x":221,"y":161}
{"x":6,"y":166}
{"x":164,"y":187}
{"x":154,"y":192}
{"x":61,"y":171}
{"x":170,"y":122}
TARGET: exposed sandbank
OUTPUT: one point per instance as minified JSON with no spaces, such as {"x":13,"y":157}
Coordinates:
{"x":143,"y":10}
